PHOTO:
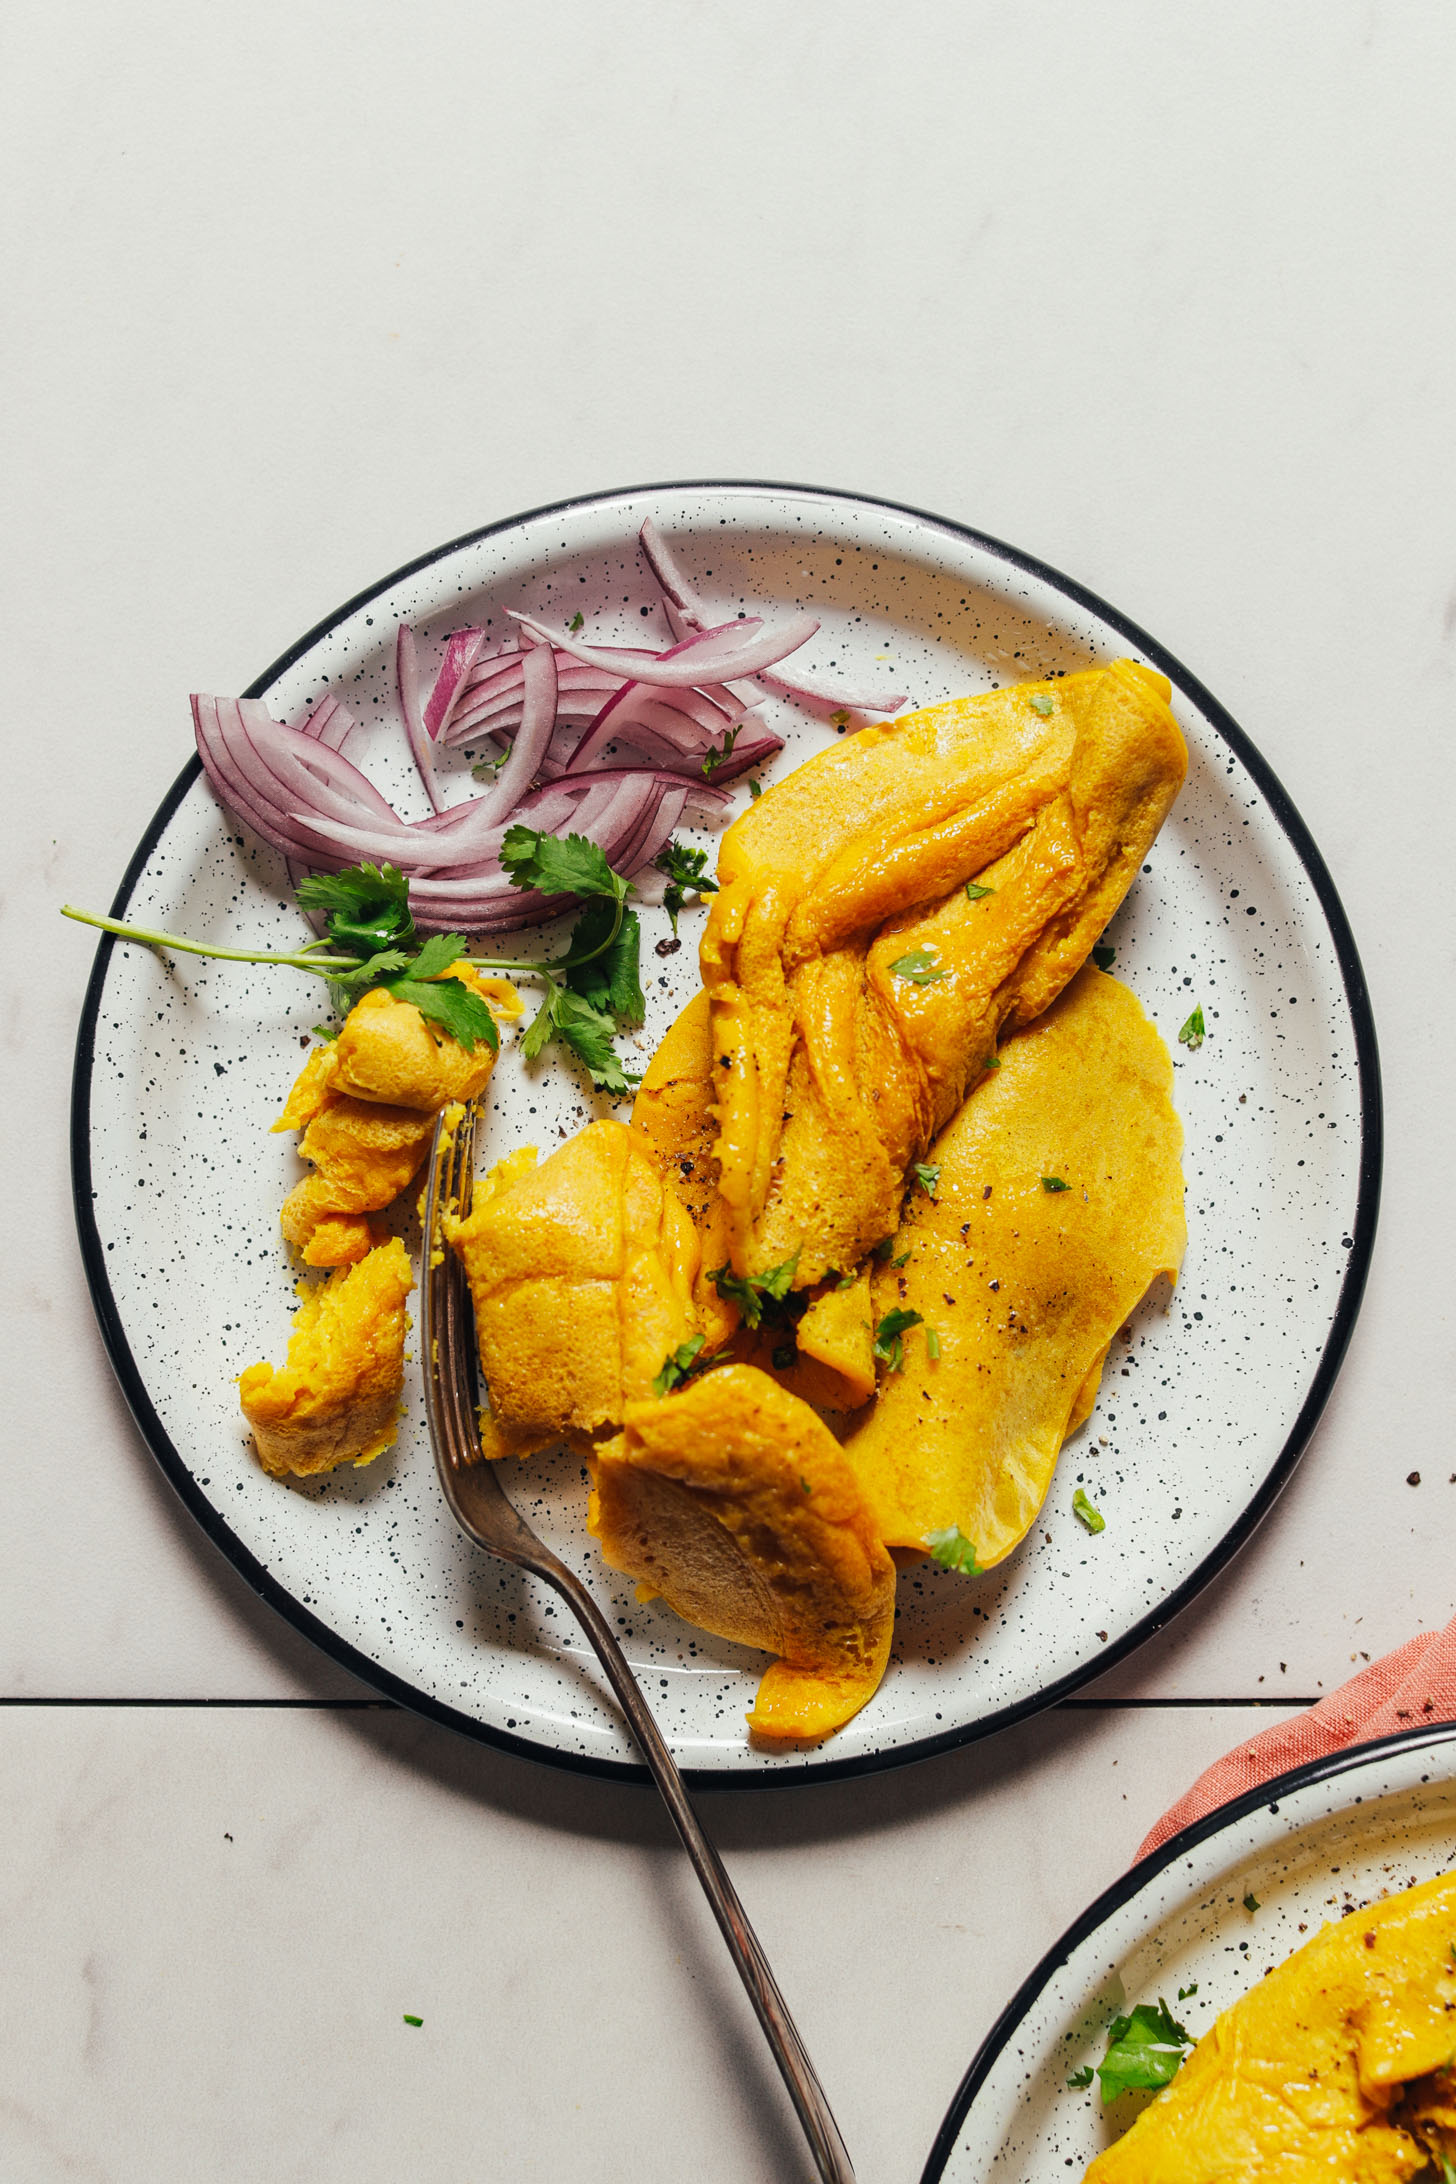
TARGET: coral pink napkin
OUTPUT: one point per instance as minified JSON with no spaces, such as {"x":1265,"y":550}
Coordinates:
{"x":1413,"y":1686}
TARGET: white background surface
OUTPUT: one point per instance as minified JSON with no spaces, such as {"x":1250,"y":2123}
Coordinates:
{"x":292,"y":294}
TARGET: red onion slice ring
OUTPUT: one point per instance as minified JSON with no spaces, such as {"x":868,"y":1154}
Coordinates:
{"x":407,"y":675}
{"x":732,"y":649}
{"x":538,"y":720}
{"x":462,"y":649}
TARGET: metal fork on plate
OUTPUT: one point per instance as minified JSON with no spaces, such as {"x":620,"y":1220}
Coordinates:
{"x":481,"y":1508}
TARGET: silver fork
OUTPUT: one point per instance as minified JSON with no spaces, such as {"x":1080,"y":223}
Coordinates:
{"x":481,"y":1508}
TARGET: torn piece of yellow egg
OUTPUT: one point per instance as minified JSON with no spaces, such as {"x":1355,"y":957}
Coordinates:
{"x":1059,"y":1200}
{"x":388,"y":1052}
{"x":364,"y":1154}
{"x":732,"y":1500}
{"x":1337,"y":2065}
{"x":336,"y":1400}
{"x":581,"y":1272}
{"x":674,"y":1111}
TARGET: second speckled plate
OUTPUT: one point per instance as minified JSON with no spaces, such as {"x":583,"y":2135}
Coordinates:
{"x":1314,"y":1845}
{"x":1205,"y":1408}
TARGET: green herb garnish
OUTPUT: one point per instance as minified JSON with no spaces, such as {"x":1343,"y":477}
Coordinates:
{"x":686,"y":871}
{"x":755,"y":788}
{"x":1094,"y":1521}
{"x":1104,"y":957}
{"x":1145,"y":2050}
{"x":839,"y":718}
{"x":412,"y":2020}
{"x":919,"y":966}
{"x":1251,"y":1903}
{"x":902,"y":1260}
{"x":1080,"y":2079}
{"x":716,"y":757}
{"x":680,"y":1364}
{"x":1054,"y":1183}
{"x":976,"y":893}
{"x":927,"y":1175}
{"x":1042,"y":704}
{"x":1192,"y":1034}
{"x":594,"y":988}
{"x":932,"y":1344}
{"x":889,"y":1343}
{"x":759,"y":1297}
{"x":1185,"y":1992}
{"x":953,"y":1551}
{"x":578,"y":621}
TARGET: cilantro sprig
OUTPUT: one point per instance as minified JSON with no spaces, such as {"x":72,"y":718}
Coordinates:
{"x":1145,"y":2050}
{"x":681,"y":1364}
{"x":687,"y":874}
{"x":1193,"y":1033}
{"x":370,"y":940}
{"x":919,"y":966}
{"x":759,"y":1297}
{"x":889,"y":1342}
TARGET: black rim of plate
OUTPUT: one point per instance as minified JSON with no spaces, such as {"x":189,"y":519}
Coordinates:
{"x":1268,"y":1795}
{"x":811,"y":1770}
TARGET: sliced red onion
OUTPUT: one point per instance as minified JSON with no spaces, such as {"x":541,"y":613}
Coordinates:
{"x":685,"y":611}
{"x":682,"y":724}
{"x":746,"y":755}
{"x":733,"y":648}
{"x":823,"y":695}
{"x":330,"y":722}
{"x":538,"y":719}
{"x":407,"y":674}
{"x":462,"y":649}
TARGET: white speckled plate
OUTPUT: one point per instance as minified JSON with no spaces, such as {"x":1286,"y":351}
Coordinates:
{"x":1203,"y":1411}
{"x":1316,"y":1844}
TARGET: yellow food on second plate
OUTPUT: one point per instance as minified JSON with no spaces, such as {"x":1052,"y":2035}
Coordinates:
{"x":1059,"y":1199}
{"x":731,"y":1499}
{"x":336,"y":1400}
{"x":1337,"y":2066}
{"x":581,"y":1272}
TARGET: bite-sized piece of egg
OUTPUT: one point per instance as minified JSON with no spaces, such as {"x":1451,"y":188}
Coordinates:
{"x":1059,"y":1199}
{"x":674,"y":1111}
{"x":387,"y":1051}
{"x":732,"y":1500}
{"x":363,"y":1154}
{"x":1336,"y":2065}
{"x":336,"y":1400}
{"x":581,"y":1273}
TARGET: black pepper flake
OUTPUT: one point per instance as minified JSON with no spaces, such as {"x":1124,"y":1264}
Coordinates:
{"x":1412,"y":1478}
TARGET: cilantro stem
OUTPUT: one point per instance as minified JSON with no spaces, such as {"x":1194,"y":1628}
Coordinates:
{"x":307,"y":959}
{"x":304,"y":960}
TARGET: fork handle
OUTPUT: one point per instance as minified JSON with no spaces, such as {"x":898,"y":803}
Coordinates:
{"x":831,"y":2156}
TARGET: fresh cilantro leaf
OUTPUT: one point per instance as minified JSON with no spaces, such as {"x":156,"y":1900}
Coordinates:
{"x":1192,"y":1034}
{"x":588,"y":1033}
{"x":327,"y":1032}
{"x":540,"y":1028}
{"x":883,"y":1248}
{"x":759,"y":1297}
{"x":902,"y":1260}
{"x":716,"y":757}
{"x":975,"y":893}
{"x":680,"y":1364}
{"x":578,"y":621}
{"x":612,"y":980}
{"x":932,"y":1344}
{"x":755,"y":789}
{"x":1185,"y":1992}
{"x":1095,"y":1522}
{"x":486,"y":769}
{"x":556,"y":864}
{"x":366,"y":906}
{"x":1053,"y":1183}
{"x":686,"y":871}
{"x":1104,"y":957}
{"x":446,"y":1002}
{"x":927,"y":1175}
{"x":412,"y":2020}
{"x":1145,"y":2050}
{"x":992,"y":1062}
{"x":1042,"y":704}
{"x":808,"y":1489}
{"x":348,"y":985}
{"x":919,"y":966}
{"x":1080,"y":2079}
{"x":1251,"y":1903}
{"x":889,"y":1343}
{"x":437,"y":954}
{"x":841,"y":1281}
{"x":953,"y":1551}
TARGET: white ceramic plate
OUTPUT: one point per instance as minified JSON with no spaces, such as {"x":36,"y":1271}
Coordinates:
{"x":1203,"y":1411}
{"x":1314,"y":1845}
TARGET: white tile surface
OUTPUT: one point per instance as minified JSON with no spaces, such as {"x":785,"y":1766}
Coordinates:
{"x":178,"y":2005}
